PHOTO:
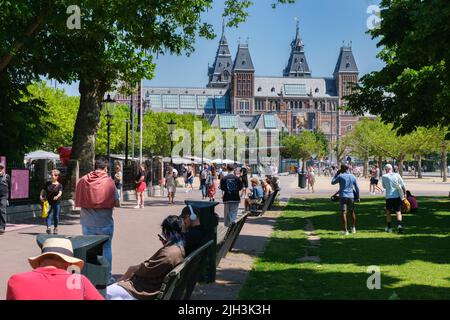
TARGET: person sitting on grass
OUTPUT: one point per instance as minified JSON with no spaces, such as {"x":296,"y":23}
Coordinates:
{"x":256,"y":196}
{"x":143,"y":281}
{"x":50,"y":278}
{"x":412,"y":201}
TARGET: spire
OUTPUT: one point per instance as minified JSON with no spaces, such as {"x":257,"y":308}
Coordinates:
{"x":220,"y":73}
{"x":346,"y":61}
{"x":298,"y":39}
{"x":297,"y":66}
{"x":223,"y":27}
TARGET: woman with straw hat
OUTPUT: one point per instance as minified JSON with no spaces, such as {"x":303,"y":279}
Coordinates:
{"x":52,"y":277}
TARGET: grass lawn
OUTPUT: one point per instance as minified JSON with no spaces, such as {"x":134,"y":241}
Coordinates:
{"x":415,"y":265}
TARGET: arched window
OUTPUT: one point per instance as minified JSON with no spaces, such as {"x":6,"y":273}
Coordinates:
{"x":226,"y":75}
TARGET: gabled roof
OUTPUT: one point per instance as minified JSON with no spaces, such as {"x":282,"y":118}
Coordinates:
{"x":262,"y":121}
{"x":346,"y":62}
{"x":243,"y":60}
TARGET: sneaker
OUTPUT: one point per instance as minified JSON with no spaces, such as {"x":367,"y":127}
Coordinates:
{"x":49,"y":231}
{"x":388,"y":230}
{"x":2,"y":231}
{"x":142,"y":206}
{"x":353,"y":230}
{"x":55,"y":231}
{"x":345,"y":233}
{"x":137,"y":207}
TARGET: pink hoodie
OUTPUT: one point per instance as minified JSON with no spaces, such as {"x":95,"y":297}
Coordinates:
{"x":96,"y":190}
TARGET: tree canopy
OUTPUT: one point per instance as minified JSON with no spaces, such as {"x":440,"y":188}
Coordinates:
{"x":413,"y":88}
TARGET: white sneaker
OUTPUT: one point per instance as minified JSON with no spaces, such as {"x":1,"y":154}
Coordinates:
{"x":137,"y":207}
{"x":345,"y":233}
{"x":388,"y":230}
{"x":353,"y":230}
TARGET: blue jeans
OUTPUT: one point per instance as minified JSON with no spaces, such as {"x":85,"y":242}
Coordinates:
{"x":230,"y":211}
{"x":204,"y":188}
{"x":53,"y":215}
{"x":107,"y":247}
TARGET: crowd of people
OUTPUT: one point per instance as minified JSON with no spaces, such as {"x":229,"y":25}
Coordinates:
{"x":97,"y":195}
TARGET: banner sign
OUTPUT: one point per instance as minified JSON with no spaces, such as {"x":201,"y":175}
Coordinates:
{"x":20,"y":183}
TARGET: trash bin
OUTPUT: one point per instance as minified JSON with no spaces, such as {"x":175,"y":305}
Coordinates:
{"x":89,"y":249}
{"x":209,"y":221}
{"x":302,"y":180}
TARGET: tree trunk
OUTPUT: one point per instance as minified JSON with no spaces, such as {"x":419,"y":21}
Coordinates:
{"x":380,"y":163}
{"x":419,"y":167}
{"x":86,"y":125}
{"x":366,"y":167}
{"x":444,"y":162}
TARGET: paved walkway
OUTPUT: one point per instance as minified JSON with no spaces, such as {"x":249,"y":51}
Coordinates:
{"x":135,"y":237}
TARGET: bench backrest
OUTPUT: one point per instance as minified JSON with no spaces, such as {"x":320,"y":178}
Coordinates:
{"x":230,"y":238}
{"x":238,"y":231}
{"x":180,"y":282}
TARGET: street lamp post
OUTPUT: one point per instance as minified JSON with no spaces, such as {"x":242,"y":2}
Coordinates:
{"x":171,"y":125}
{"x":202,"y":165}
{"x":126,"y":141}
{"x":109,"y":117}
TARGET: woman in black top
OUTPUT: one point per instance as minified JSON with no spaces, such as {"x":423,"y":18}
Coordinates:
{"x":53,"y":193}
{"x":244,"y":179}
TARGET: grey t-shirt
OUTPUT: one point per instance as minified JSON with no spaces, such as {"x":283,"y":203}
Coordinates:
{"x":97,"y":217}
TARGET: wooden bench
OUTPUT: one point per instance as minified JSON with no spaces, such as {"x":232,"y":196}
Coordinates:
{"x":179,"y":283}
{"x":259,"y":210}
{"x":227,"y":236}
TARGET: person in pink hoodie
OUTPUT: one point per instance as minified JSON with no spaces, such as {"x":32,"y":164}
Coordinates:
{"x":97,"y":196}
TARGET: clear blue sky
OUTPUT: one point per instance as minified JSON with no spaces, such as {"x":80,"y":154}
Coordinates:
{"x":324,"y":24}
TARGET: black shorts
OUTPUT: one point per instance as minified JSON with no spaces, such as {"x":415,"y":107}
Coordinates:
{"x":374,"y":181}
{"x":347,"y":204}
{"x":394,"y":204}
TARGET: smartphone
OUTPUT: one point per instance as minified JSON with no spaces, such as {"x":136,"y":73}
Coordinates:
{"x":162,"y":238}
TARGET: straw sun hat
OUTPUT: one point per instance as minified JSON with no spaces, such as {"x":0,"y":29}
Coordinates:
{"x":59,"y":247}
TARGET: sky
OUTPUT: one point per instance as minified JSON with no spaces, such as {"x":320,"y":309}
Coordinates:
{"x":324,"y":25}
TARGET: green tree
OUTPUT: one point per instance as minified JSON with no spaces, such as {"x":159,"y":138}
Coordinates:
{"x":300,"y":146}
{"x":62,"y":110}
{"x":116,"y":42}
{"x":413,"y":89}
